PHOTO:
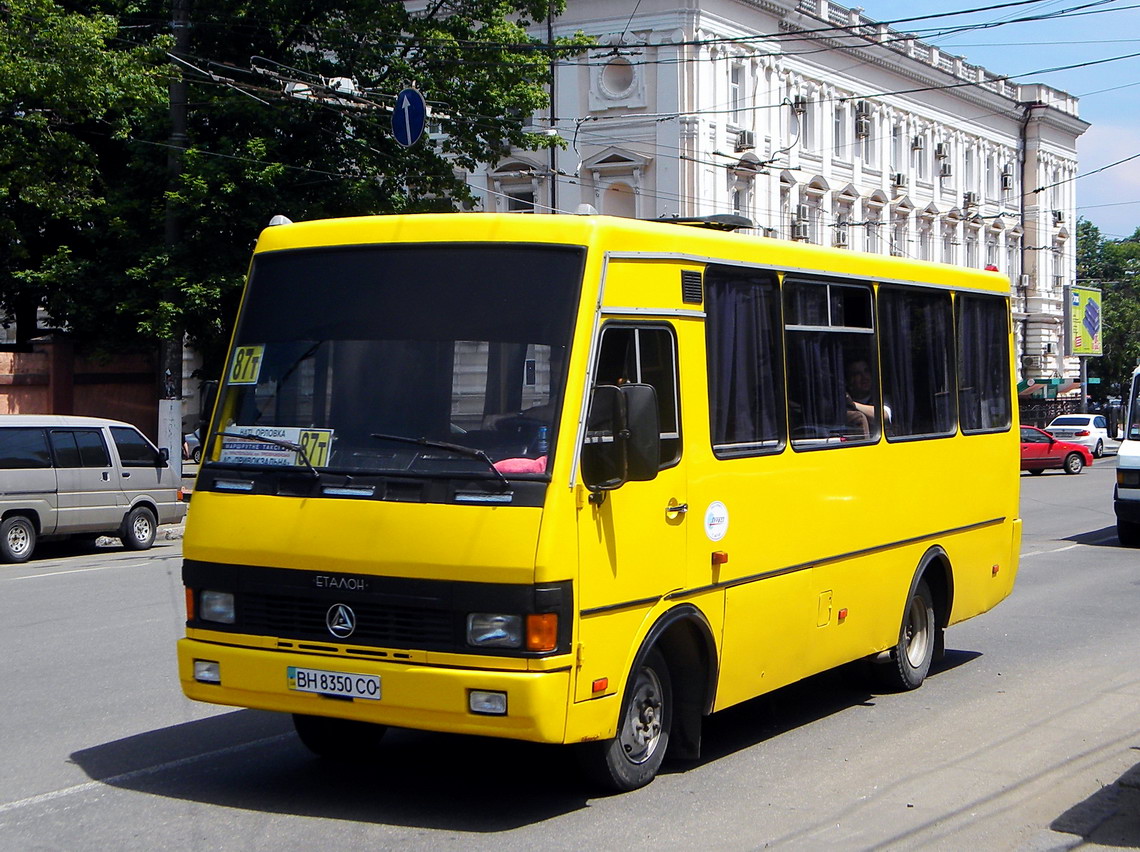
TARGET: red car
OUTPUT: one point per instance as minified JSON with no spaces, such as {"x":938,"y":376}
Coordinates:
{"x":1040,"y":450}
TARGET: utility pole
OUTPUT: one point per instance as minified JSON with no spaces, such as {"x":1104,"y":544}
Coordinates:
{"x":170,"y":349}
{"x":553,"y":120}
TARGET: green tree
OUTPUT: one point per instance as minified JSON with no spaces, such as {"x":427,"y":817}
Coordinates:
{"x":270,"y":131}
{"x":1114,"y":267}
{"x":68,"y":89}
{"x":275,"y":128}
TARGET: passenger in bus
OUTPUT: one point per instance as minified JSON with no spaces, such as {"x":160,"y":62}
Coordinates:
{"x":860,"y":388}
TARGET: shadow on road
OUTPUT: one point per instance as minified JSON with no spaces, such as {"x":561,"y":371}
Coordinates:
{"x":251,"y":760}
{"x":1109,"y":817}
{"x":1104,"y":537}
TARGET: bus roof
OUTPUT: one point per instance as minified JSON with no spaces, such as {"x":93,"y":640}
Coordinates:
{"x":622,"y":236}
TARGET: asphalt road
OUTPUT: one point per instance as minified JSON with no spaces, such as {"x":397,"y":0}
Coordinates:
{"x":1027,"y":737}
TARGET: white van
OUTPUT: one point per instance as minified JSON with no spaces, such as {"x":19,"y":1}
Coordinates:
{"x":81,"y":477}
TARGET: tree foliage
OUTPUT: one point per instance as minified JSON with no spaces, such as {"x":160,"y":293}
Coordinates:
{"x":270,"y":131}
{"x":1114,"y":267}
{"x":68,"y":91}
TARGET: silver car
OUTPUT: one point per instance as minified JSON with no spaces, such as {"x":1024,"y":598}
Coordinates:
{"x":1088,"y":430}
{"x":81,"y":477}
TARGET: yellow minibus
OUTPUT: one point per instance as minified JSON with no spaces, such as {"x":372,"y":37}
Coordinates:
{"x":585,"y":480}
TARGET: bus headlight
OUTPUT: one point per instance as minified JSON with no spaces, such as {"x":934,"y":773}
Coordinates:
{"x":492,"y":630}
{"x":216,"y":606}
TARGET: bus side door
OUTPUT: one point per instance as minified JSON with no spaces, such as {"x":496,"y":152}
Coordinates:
{"x":632,"y":540}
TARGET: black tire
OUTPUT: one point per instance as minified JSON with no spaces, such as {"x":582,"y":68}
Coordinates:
{"x":1037,"y":471}
{"x":196,"y":455}
{"x":17,"y":539}
{"x":341,"y":740}
{"x":1098,"y":451}
{"x":1128,"y":533}
{"x":632,"y":758}
{"x":910,"y":659}
{"x":1074,"y":463}
{"x":139,"y":529}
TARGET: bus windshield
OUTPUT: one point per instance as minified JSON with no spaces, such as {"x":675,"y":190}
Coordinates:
{"x":417,"y":359}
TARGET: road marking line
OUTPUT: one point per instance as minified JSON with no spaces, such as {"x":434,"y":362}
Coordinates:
{"x":129,"y":563}
{"x":126,"y":777}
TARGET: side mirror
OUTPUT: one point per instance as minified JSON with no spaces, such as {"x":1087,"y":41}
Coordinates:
{"x":163,"y":457}
{"x":623,"y":437}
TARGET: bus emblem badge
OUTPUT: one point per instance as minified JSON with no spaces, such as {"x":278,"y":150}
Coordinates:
{"x":341,"y":621}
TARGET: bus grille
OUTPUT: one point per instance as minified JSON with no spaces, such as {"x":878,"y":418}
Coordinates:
{"x":384,"y":625}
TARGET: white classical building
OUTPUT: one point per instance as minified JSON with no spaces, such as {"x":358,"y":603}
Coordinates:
{"x":817,"y":124}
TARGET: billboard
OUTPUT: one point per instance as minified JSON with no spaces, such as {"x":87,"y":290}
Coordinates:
{"x":1085,"y":321}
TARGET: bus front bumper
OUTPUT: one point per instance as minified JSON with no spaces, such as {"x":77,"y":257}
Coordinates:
{"x":429,"y":698}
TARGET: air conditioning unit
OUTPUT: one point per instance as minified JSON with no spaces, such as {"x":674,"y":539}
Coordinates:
{"x":898,"y":180}
{"x":918,"y":143}
{"x":1023,"y":280}
{"x":1058,"y":217}
{"x":1031,"y":362}
{"x":1007,"y":180}
{"x":862,"y":126}
{"x":799,"y":230}
{"x":841,"y":235}
{"x":745,"y":140}
{"x":942,"y":150}
{"x":970,"y":199}
{"x":803,"y":212}
{"x":945,"y":170}
{"x":799,"y":104}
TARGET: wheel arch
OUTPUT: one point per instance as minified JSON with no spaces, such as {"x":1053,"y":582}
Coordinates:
{"x":935,"y":568}
{"x":685,"y":639}
{"x":31,"y":514}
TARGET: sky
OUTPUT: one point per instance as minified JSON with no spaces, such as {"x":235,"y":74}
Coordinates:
{"x":1109,"y":92}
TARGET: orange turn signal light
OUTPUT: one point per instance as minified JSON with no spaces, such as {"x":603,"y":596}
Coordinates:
{"x":189,"y":604}
{"x":542,"y":631}
{"x":600,"y":685}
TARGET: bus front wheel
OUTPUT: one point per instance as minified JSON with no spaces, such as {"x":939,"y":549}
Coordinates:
{"x":910,"y":659}
{"x":632,"y":758}
{"x":338,"y":739}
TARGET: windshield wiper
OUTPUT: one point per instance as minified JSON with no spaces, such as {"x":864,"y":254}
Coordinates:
{"x":277,"y":442}
{"x":459,"y":449}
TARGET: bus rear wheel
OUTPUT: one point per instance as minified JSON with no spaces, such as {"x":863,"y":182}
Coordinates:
{"x":338,"y":739}
{"x":632,"y":758}
{"x":910,"y":659}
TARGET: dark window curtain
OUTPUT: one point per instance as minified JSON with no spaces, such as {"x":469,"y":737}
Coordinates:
{"x":917,"y":365}
{"x":817,"y":396}
{"x":983,"y":364}
{"x":744,"y":362}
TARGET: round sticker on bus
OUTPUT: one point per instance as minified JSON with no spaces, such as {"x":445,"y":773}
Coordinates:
{"x":716,"y":520}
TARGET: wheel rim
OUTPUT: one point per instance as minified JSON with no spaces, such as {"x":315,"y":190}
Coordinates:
{"x":141,"y":528}
{"x":916,"y":634}
{"x":1074,"y":463}
{"x":18,"y":540}
{"x":641,"y":730}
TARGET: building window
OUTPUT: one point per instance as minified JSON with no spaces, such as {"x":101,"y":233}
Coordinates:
{"x":839,"y":132}
{"x":736,"y":93}
{"x":898,"y":148}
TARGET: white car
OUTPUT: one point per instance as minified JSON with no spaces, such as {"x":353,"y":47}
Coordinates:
{"x":1088,"y":430}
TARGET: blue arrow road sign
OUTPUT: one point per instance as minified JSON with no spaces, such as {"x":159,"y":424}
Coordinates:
{"x":409,"y":117}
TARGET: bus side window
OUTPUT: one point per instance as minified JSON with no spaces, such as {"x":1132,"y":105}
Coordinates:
{"x":830,"y":339}
{"x":645,"y":354}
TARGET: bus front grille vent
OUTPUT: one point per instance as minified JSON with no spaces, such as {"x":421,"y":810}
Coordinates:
{"x":377,"y":624}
